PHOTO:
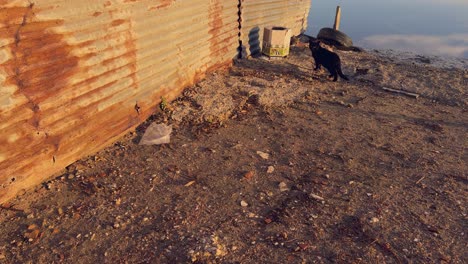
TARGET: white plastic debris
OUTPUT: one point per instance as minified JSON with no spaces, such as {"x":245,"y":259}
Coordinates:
{"x":156,"y":134}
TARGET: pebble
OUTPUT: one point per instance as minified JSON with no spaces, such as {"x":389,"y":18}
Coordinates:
{"x":263,"y":155}
{"x":249,"y":175}
{"x":374,"y":220}
{"x":270,"y":169}
{"x":316,"y":197}
{"x":283,"y":187}
{"x":244,"y":203}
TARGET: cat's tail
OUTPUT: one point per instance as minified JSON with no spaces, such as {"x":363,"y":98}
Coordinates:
{"x":341,"y":74}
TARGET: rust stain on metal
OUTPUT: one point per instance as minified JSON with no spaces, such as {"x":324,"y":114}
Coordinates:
{"x":216,"y":24}
{"x":41,"y":61}
{"x":162,"y":4}
{"x":117,"y":22}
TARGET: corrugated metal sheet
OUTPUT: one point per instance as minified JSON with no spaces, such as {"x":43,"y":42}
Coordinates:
{"x":257,"y":14}
{"x":74,"y":73}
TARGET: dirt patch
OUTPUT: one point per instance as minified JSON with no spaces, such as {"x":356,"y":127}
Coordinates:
{"x":270,"y":163}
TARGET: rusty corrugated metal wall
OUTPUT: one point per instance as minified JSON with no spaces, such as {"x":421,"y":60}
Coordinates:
{"x":76,"y":75}
{"x":73,"y":73}
{"x":257,"y":14}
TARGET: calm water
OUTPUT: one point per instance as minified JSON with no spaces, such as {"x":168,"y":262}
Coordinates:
{"x":436,"y":27}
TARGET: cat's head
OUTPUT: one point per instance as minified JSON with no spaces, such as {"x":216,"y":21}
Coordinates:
{"x":314,"y":43}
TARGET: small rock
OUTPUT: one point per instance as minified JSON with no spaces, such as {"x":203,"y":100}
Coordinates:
{"x":244,"y":203}
{"x":249,"y":175}
{"x":316,"y":197}
{"x":374,"y":220}
{"x":2,"y":256}
{"x":283,"y":187}
{"x":189,"y":183}
{"x":264,"y":155}
{"x":33,"y":235}
{"x":270,"y":169}
{"x":70,"y":176}
{"x":32,"y":227}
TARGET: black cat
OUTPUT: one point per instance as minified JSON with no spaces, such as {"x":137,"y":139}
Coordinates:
{"x":330,"y":60}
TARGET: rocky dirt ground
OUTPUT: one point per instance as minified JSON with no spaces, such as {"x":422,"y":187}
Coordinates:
{"x":270,"y":162}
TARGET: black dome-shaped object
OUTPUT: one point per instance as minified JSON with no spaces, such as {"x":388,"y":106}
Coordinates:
{"x":335,"y":36}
